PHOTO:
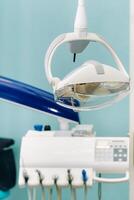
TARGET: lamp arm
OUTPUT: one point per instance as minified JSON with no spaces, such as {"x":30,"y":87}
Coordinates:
{"x":81,"y":2}
{"x":49,"y":55}
{"x":81,"y":24}
{"x":69,"y":37}
{"x":114,"y":55}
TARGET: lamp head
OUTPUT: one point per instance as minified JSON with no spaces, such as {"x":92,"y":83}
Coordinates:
{"x":92,"y":86}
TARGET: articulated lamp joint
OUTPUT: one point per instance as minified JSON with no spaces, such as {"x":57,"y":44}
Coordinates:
{"x":54,"y":82}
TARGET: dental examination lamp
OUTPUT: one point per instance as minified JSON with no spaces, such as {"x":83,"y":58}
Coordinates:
{"x":93,"y":85}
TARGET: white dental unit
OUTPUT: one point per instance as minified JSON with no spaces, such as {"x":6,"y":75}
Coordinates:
{"x":77,"y":152}
{"x":77,"y":158}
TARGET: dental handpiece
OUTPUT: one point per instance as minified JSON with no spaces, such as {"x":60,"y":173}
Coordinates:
{"x":100,"y":189}
{"x":30,"y":190}
{"x":70,"y":179}
{"x":85,"y":179}
{"x":58,"y":189}
{"x":41,"y":178}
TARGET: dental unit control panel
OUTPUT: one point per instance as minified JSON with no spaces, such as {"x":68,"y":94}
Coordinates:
{"x":111,"y":150}
{"x":55,"y":153}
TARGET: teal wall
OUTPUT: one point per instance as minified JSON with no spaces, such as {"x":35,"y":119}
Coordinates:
{"x":26,"y":29}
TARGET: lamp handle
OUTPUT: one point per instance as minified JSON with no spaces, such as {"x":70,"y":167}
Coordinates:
{"x":69,"y":37}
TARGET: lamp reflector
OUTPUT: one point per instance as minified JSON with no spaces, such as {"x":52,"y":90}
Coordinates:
{"x":92,"y":86}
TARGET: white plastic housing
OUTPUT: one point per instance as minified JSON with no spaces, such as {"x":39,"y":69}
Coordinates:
{"x":53,"y":156}
{"x":92,"y":86}
{"x":87,"y":73}
{"x":40,"y":151}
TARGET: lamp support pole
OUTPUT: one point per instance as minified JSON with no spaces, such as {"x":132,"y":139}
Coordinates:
{"x":80,"y":24}
{"x":131,"y":105}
